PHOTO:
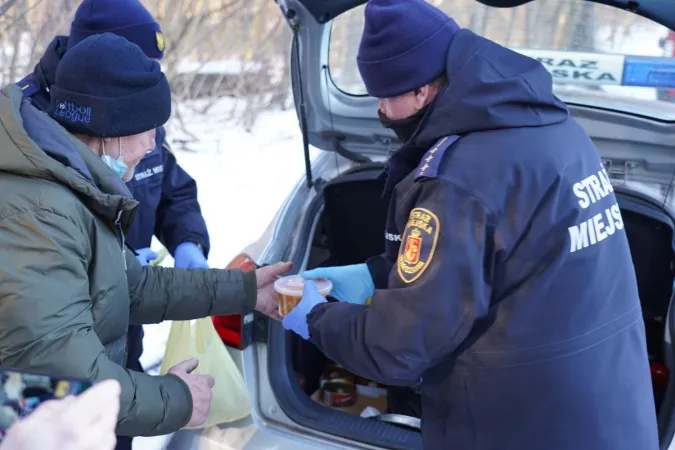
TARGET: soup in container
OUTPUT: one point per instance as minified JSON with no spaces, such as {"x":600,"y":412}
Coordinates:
{"x":289,"y":291}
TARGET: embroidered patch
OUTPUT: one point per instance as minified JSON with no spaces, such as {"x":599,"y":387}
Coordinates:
{"x":160,"y":40}
{"x":418,"y":244}
{"x":73,"y":112}
{"x":147,"y":173}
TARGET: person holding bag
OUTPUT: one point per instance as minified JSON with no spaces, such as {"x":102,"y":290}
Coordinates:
{"x":70,"y":287}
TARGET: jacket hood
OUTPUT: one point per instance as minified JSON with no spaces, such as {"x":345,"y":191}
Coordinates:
{"x":490,"y":87}
{"x":45,"y":70}
{"x":34,"y":145}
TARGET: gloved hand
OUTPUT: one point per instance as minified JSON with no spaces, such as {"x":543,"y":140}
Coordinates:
{"x":351,"y":284}
{"x":188,"y":255}
{"x":296,"y":320}
{"x":145,"y":255}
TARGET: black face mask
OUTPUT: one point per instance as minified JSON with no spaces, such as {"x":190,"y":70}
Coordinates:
{"x":404,"y":128}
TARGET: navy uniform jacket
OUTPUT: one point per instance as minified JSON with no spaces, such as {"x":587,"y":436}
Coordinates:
{"x":169,"y":208}
{"x":511,"y":302}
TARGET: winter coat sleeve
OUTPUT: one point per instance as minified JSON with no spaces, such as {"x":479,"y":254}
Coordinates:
{"x":179,"y":218}
{"x":162,"y":293}
{"x":425,"y":315}
{"x":47,"y":326}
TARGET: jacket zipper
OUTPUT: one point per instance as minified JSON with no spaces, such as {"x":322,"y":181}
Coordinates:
{"x":118,"y":224}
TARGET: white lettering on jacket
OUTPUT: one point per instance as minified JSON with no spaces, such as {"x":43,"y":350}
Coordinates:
{"x":392,"y":237}
{"x":603,"y":224}
{"x":147,"y":173}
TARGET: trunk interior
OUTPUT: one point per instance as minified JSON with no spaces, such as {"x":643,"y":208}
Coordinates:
{"x":351,"y":229}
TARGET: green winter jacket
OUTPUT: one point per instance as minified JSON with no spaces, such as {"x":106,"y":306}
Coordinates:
{"x":69,"y":287}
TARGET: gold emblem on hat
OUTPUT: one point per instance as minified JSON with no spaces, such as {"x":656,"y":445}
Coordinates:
{"x":160,"y":40}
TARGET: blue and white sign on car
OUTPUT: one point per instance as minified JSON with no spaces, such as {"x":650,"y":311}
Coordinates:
{"x":579,"y":67}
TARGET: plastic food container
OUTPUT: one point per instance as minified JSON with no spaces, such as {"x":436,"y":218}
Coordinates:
{"x":289,"y":291}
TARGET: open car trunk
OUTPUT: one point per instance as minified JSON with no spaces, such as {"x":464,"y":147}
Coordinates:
{"x":345,"y":222}
{"x":350,"y":229}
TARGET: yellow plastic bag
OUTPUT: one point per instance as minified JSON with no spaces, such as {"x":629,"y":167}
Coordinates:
{"x":199,"y":339}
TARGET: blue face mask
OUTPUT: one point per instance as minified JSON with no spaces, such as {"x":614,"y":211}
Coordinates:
{"x":116,"y":165}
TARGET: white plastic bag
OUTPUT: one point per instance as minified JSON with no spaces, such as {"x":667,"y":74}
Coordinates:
{"x":199,"y":339}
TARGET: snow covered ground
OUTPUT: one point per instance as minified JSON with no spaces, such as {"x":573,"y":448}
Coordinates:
{"x":242,"y":178}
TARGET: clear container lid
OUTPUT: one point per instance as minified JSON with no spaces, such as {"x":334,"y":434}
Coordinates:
{"x":293,"y":285}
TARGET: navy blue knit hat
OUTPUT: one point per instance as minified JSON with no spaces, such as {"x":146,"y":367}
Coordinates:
{"x":404,"y":46}
{"x":107,"y":87}
{"x":126,"y":18}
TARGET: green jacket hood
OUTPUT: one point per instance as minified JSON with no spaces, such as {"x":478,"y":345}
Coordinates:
{"x":36,"y":146}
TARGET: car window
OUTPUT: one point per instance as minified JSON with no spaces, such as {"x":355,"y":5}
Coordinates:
{"x":597,"y":54}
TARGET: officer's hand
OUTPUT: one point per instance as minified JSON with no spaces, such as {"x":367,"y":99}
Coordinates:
{"x":352,"y":284}
{"x":189,"y":256}
{"x":145,"y":255}
{"x":296,"y":320}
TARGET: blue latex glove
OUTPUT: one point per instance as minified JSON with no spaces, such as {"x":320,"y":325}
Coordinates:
{"x":145,"y":255}
{"x":296,"y":320}
{"x":188,"y":255}
{"x":351,"y":284}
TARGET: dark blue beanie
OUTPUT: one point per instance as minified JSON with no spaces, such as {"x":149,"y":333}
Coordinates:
{"x":126,"y":18}
{"x":404,"y":46}
{"x":107,"y":87}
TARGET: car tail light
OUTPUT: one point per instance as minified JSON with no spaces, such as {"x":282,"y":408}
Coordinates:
{"x":231,"y":328}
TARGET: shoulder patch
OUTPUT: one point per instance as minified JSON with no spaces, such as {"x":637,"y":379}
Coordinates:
{"x":418,"y":244}
{"x":28,"y":88}
{"x":432,"y":159}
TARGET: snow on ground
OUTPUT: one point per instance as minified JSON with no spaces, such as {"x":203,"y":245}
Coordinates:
{"x":242,"y":179}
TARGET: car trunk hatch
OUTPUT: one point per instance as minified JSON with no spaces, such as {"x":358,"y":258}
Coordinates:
{"x":336,"y":115}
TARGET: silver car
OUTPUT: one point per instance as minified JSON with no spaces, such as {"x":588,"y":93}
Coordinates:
{"x":604,"y":58}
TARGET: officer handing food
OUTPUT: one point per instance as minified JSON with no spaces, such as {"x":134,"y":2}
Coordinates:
{"x":511,"y":302}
